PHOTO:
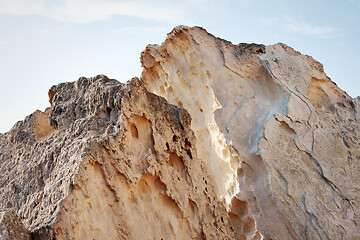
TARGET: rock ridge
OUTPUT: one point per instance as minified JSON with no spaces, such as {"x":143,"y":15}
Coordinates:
{"x":214,"y":141}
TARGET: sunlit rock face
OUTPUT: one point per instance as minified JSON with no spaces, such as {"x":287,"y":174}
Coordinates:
{"x":214,"y":141}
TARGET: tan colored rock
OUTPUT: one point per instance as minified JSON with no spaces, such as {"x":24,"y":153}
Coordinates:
{"x":293,"y":131}
{"x":215,"y":141}
{"x":119,"y":163}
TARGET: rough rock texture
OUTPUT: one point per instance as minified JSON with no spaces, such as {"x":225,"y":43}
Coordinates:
{"x":11,"y":226}
{"x":293,"y":132}
{"x":215,"y":141}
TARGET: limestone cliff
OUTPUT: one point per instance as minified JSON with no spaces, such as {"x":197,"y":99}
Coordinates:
{"x":214,"y":141}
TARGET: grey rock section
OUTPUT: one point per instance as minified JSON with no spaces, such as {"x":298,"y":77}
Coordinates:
{"x":11,"y":227}
{"x":39,"y":160}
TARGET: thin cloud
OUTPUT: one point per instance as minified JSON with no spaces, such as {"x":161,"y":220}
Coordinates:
{"x":307,"y":29}
{"x":86,"y":11}
{"x":10,"y":41}
{"x":142,"y":30}
{"x":303,"y":28}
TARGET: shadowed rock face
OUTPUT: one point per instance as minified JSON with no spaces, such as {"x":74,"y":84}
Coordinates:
{"x":215,"y":141}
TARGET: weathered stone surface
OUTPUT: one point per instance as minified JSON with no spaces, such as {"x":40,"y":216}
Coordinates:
{"x":215,"y":141}
{"x":293,"y":132}
{"x":11,"y":226}
{"x":116,"y":162}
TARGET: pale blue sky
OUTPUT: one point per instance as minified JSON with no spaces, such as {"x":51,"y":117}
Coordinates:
{"x":45,"y":42}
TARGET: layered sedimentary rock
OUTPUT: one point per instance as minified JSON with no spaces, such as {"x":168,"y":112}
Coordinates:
{"x":214,"y":141}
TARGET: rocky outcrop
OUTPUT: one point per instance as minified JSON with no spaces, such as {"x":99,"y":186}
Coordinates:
{"x":214,"y":141}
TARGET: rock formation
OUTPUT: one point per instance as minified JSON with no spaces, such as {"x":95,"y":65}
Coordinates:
{"x":214,"y":141}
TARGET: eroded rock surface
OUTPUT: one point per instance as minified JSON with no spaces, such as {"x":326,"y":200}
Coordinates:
{"x":11,"y":226}
{"x":293,"y":132}
{"x":215,"y":141}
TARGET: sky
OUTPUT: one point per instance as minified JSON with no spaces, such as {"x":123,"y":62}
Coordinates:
{"x":46,"y":42}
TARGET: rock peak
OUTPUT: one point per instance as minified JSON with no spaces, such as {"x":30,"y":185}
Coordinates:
{"x":215,"y":140}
